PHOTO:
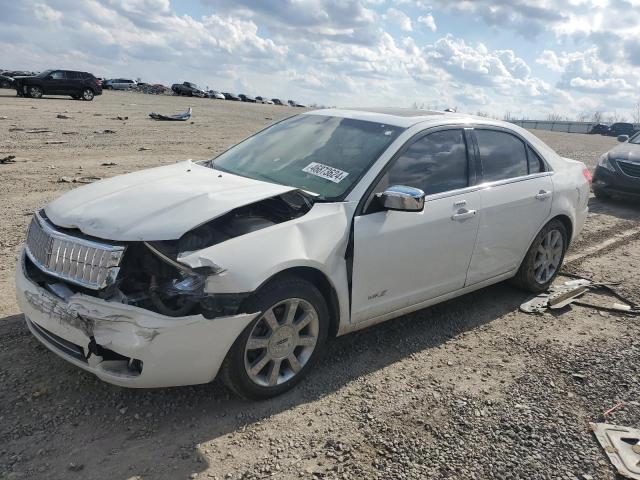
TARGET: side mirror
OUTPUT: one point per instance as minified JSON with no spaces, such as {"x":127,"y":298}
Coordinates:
{"x":401,"y":198}
{"x":623,"y":138}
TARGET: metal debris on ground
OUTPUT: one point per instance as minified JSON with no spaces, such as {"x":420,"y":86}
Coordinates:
{"x":119,"y":118}
{"x":78,"y":179}
{"x":143,"y":149}
{"x":105,"y":131}
{"x":560,"y":296}
{"x":55,"y":142}
{"x":622,"y":446}
{"x":109,"y":164}
{"x":38,"y":130}
{"x":62,"y":116}
{"x":181,"y":117}
{"x":7,"y":159}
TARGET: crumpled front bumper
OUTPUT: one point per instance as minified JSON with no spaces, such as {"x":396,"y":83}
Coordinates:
{"x":172,"y":350}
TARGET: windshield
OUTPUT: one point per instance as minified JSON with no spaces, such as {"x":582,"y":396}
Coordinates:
{"x":192,"y":85}
{"x":635,"y":139}
{"x":322,"y":154}
{"x":44,"y":74}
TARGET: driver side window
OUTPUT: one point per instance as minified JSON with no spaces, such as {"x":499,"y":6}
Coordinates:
{"x":434,"y":163}
{"x":57,"y":75}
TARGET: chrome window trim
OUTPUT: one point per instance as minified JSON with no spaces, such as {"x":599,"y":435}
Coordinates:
{"x":113,"y":270}
{"x":486,"y":185}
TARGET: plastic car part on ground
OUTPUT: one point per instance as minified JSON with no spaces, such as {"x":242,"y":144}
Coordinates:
{"x":180,"y":117}
{"x":622,"y":446}
{"x":559,"y":296}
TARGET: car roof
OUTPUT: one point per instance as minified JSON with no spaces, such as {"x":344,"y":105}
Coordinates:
{"x":407,"y":117}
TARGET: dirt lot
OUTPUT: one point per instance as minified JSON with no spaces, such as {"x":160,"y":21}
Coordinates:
{"x":471,"y":388}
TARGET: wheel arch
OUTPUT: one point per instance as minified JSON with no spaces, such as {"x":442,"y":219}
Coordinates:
{"x":322,"y":282}
{"x":568,"y":224}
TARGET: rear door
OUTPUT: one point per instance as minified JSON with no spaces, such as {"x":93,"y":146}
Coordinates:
{"x":516,"y":197}
{"x":404,"y":258}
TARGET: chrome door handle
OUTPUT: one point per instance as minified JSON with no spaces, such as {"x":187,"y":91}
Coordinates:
{"x":463,"y":214}
{"x":543,"y":195}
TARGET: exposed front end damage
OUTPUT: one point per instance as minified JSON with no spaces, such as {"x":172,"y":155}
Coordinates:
{"x":123,"y":344}
{"x":130,"y":311}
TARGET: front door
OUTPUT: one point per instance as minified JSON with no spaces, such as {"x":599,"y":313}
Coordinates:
{"x":516,"y":202}
{"x":404,"y":258}
{"x":55,"y":83}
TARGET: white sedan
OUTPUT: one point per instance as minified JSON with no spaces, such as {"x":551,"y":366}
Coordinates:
{"x":324,"y":223}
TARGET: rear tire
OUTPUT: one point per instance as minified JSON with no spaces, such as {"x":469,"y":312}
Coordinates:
{"x":282,"y":344}
{"x":87,"y":94}
{"x":543,"y":259}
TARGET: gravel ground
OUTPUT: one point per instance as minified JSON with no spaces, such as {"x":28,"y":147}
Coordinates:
{"x":470,"y":388}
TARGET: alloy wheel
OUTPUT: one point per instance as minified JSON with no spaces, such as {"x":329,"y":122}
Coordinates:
{"x":281,"y":342}
{"x":548,"y":256}
{"x":87,"y":95}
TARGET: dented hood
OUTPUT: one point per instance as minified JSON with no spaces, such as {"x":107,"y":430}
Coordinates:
{"x":156,"y":204}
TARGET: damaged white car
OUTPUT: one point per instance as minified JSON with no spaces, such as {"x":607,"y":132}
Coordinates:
{"x":324,"y":223}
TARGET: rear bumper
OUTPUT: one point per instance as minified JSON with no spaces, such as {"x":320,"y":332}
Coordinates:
{"x":615,"y":182}
{"x":87,"y":332}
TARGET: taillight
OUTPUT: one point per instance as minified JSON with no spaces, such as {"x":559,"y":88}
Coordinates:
{"x":587,"y":174}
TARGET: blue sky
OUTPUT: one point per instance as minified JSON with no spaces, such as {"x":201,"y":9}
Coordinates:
{"x":529,"y":58}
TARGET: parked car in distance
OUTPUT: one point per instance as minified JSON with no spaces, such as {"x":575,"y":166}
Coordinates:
{"x":599,"y":129}
{"x":6,"y":82}
{"x":187,"y":89}
{"x":277,"y":101}
{"x":247,"y":98}
{"x":215,"y":94}
{"x":118,"y":84}
{"x":291,"y":103}
{"x":235,"y":267}
{"x":78,"y":85}
{"x":264,"y":100}
{"x":621,"y":128}
{"x":231,"y":96}
{"x":618,"y":170}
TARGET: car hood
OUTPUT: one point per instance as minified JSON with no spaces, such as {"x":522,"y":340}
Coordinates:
{"x":156,"y":204}
{"x":626,"y":151}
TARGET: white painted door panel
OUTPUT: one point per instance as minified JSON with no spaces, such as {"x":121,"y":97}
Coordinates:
{"x":403,"y":258}
{"x":512,"y":214}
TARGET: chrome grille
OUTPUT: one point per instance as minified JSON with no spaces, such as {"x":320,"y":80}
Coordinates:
{"x":631,"y":169}
{"x":77,"y":260}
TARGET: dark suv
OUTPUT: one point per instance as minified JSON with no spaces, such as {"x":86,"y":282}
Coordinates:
{"x":78,"y":85}
{"x":621,"y":128}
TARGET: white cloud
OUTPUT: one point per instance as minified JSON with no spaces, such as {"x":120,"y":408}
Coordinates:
{"x":399,"y":19}
{"x":46,"y":13}
{"x":428,"y":21}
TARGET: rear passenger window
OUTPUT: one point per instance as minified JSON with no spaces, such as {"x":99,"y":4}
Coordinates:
{"x":535,"y":162}
{"x":435,"y":163}
{"x":502,"y":155}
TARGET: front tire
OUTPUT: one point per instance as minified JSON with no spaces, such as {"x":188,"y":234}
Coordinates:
{"x":544,"y":258}
{"x":601,"y":194}
{"x":87,"y":94}
{"x":282,"y":344}
{"x":35,"y":92}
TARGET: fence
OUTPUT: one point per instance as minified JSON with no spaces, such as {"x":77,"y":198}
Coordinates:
{"x":559,"y":126}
